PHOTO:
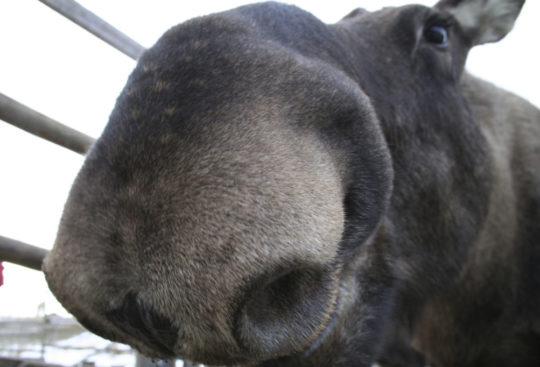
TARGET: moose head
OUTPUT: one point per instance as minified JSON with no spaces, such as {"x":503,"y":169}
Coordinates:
{"x":271,"y":190}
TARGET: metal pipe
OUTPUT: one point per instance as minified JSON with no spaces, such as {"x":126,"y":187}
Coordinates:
{"x":20,"y":253}
{"x":38,"y":124}
{"x":97,"y":26}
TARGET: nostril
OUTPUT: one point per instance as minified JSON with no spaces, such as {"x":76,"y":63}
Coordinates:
{"x":140,"y":320}
{"x":281,"y":296}
{"x":287,"y":313}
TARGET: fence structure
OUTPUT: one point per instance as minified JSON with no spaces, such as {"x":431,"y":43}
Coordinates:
{"x":44,"y":127}
{"x":32,"y":121}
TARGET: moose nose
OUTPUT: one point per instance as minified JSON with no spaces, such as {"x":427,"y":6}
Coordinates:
{"x":286,"y":313}
{"x":137,"y":318}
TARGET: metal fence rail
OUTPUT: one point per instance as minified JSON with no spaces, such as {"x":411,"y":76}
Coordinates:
{"x":20,"y":253}
{"x":45,"y":127}
{"x":97,"y":26}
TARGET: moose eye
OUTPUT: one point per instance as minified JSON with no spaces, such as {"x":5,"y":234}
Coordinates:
{"x":437,"y":35}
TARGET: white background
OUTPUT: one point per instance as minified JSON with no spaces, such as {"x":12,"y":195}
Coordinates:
{"x":55,"y":67}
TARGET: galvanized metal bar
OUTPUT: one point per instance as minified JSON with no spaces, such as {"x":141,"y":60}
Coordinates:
{"x":38,"y":124}
{"x":20,"y":253}
{"x":97,"y":26}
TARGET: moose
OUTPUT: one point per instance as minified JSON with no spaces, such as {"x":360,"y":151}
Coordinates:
{"x":271,"y":190}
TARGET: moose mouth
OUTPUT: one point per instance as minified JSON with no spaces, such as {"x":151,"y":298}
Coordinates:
{"x":136,"y":318}
{"x":268,"y":326}
{"x":326,"y":331}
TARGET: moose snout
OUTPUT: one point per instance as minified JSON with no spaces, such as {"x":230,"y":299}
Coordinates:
{"x":217,"y":254}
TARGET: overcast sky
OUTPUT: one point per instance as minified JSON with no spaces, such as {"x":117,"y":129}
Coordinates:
{"x":55,"y":67}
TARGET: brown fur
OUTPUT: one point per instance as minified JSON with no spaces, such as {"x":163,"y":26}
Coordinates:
{"x":274,"y":191}
{"x":477,"y":315}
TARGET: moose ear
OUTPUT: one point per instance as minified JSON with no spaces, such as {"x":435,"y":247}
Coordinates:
{"x":483,"y":20}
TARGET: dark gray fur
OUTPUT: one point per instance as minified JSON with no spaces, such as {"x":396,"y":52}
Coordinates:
{"x":274,"y":191}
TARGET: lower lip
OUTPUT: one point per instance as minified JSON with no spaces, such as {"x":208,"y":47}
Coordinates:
{"x":325,"y":333}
